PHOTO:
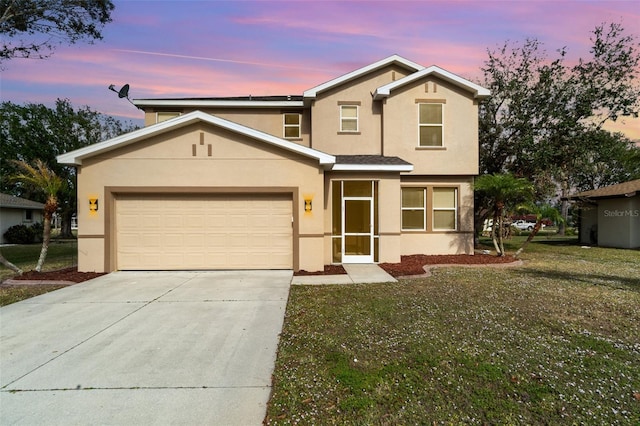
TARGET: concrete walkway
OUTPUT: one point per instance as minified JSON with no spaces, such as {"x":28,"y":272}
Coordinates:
{"x":357,"y":273}
{"x":144,"y":348}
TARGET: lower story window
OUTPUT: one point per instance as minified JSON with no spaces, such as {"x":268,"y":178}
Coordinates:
{"x":445,"y":208}
{"x":429,"y":209}
{"x":414,"y":209}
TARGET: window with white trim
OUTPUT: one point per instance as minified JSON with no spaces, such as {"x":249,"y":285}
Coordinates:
{"x":445,"y":208}
{"x":414,"y":209}
{"x":348,"y":118}
{"x":431,"y":127}
{"x":291,"y":126}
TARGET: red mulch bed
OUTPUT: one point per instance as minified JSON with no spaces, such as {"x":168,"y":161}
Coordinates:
{"x":413,"y":264}
{"x":328,"y":270}
{"x":68,"y":274}
{"x":409,"y":265}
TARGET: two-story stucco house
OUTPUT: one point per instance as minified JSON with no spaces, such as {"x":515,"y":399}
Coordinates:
{"x":366,"y":167}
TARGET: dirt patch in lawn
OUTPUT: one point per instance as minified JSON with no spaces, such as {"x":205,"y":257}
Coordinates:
{"x":67,"y":274}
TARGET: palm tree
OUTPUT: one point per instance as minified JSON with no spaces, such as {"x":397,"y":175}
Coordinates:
{"x":505,"y":191}
{"x":544,"y":211}
{"x":10,"y":265}
{"x":44,"y":179}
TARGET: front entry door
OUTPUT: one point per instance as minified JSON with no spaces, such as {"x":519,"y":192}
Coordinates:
{"x":357,"y":226}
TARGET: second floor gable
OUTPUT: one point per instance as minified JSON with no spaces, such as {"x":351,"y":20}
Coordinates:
{"x":394,"y":107}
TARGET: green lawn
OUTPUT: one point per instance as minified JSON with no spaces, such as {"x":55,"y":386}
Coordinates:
{"x":62,"y":254}
{"x":555,"y":341}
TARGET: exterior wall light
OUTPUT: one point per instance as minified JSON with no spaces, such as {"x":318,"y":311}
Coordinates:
{"x":307,"y":205}
{"x":93,"y":205}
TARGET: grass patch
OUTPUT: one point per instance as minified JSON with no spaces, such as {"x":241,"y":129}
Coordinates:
{"x":555,"y":341}
{"x":62,"y":254}
{"x":11,"y":294}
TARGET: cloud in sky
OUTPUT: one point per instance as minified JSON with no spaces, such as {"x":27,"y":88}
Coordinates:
{"x":226,"y":48}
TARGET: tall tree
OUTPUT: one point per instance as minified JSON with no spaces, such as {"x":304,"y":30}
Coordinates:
{"x":34,"y":28}
{"x":43,"y":179}
{"x":542,"y":111}
{"x":35,"y":131}
{"x":504,"y":192}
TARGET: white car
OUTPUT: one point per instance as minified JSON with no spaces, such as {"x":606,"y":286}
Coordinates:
{"x":523,"y":225}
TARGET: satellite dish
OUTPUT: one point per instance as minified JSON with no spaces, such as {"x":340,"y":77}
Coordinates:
{"x":124,"y":92}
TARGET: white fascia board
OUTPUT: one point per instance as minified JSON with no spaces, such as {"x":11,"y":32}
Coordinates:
{"x":216,"y":103}
{"x":76,"y":157}
{"x":313,"y":92}
{"x":478,"y":91}
{"x":371,"y":168}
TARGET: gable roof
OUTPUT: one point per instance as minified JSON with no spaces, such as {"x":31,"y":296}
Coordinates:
{"x":478,"y":91}
{"x":394,"y":59}
{"x":76,"y":157}
{"x":627,"y":189}
{"x":13,"y":202}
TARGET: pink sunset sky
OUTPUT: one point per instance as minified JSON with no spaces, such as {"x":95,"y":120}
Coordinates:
{"x":240,"y":48}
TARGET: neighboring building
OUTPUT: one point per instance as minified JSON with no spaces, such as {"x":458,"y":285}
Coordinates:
{"x":610,"y":216}
{"x":367,"y":167}
{"x":18,"y":211}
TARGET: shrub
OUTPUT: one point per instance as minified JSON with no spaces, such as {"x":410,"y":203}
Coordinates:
{"x":19,"y":234}
{"x":37,"y":229}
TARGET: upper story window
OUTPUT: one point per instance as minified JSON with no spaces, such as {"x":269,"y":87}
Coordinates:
{"x":431,"y":127}
{"x":165,"y":115}
{"x":291,"y":126}
{"x":348,"y":118}
{"x":445,"y":208}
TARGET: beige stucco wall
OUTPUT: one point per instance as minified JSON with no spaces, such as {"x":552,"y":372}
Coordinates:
{"x":459,"y":155}
{"x":167,"y":161}
{"x":266,"y":120}
{"x":443,"y":242}
{"x":325,"y":123}
{"x":619,"y":222}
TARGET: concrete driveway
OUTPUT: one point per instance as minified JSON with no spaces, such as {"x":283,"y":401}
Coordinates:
{"x":144,"y":348}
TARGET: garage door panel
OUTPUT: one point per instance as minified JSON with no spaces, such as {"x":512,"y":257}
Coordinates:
{"x":204,"y":232}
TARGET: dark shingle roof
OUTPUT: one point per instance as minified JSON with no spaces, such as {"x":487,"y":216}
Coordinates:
{"x":371,"y":160}
{"x":275,"y":98}
{"x":630,"y":187}
{"x":11,"y":202}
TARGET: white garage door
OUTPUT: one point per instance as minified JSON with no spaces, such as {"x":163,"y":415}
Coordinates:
{"x":204,"y":232}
